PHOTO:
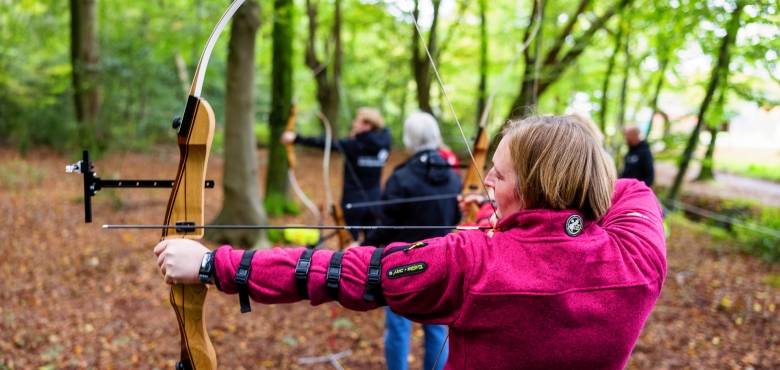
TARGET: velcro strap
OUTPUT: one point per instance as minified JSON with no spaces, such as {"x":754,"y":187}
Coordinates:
{"x":373,"y":282}
{"x":334,"y":275}
{"x":302,"y":273}
{"x":242,"y":279}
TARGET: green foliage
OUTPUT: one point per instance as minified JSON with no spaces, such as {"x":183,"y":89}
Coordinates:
{"x":772,"y":280}
{"x":761,"y":171}
{"x":276,"y":236}
{"x":752,"y":238}
{"x":140,"y":43}
{"x":262,"y":135}
{"x":750,"y":229}
{"x":677,"y":220}
{"x":674,"y":144}
{"x":277,"y":204}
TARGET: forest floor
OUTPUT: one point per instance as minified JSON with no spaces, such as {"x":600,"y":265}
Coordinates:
{"x":78,"y":296}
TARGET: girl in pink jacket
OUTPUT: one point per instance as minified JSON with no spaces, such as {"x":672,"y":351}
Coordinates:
{"x":566,"y":278}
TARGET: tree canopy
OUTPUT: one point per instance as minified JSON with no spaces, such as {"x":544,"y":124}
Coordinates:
{"x":148,"y":51}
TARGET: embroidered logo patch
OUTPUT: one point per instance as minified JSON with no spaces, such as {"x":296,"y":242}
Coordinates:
{"x":574,"y":225}
{"x":406,"y":270}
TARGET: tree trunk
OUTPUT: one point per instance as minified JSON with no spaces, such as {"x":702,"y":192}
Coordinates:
{"x":654,"y":104}
{"x":323,"y":69}
{"x":529,"y":88}
{"x":617,"y":141}
{"x":553,"y":65}
{"x":715,"y":116}
{"x":86,"y":68}
{"x":707,"y":164}
{"x":531,"y":73}
{"x":607,"y":77}
{"x":242,"y":204}
{"x":483,"y":60}
{"x":667,"y":125}
{"x":721,"y":64}
{"x":278,"y":197}
{"x":421,"y":65}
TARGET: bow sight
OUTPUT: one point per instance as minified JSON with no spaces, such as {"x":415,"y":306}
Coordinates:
{"x":92,"y":183}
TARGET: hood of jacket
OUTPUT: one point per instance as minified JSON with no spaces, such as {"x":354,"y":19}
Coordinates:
{"x":428,"y":165}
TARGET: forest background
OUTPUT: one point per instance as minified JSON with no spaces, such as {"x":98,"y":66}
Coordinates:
{"x":109,"y":76}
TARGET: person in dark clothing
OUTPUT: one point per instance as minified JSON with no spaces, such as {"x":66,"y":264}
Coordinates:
{"x":425,"y":173}
{"x":639,"y":159}
{"x":365,"y":153}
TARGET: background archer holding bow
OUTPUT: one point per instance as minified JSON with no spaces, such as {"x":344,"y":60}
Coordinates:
{"x":365,"y":153}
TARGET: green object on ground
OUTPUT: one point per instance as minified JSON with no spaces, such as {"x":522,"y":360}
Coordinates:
{"x":302,"y":236}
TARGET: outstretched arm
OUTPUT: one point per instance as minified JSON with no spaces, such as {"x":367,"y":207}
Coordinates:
{"x":425,"y":282}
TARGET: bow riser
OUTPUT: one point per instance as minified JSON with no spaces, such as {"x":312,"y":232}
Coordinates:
{"x":186,"y":202}
{"x":197,"y":352}
{"x":185,"y":207}
{"x":290,"y":126}
{"x":345,"y":238}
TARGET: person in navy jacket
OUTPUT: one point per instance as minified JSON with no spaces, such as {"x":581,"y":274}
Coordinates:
{"x":365,"y":152}
{"x":425,"y":173}
{"x":639,"y":159}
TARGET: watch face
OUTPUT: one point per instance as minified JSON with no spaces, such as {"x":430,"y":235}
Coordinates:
{"x":205,"y":264}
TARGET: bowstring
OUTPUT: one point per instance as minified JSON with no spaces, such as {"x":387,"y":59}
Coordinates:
{"x":447,"y":98}
{"x":484,"y":114}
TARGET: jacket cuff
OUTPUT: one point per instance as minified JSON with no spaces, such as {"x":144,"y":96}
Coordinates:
{"x":225,"y":269}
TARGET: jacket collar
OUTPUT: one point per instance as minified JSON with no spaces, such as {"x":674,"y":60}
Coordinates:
{"x":536,"y":223}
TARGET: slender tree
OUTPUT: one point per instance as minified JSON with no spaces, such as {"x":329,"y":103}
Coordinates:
{"x":483,"y":59}
{"x":621,"y":113}
{"x":421,"y":65}
{"x":242,"y":204}
{"x":86,"y":68}
{"x":278,"y":197}
{"x":533,"y":61}
{"x":713,"y":120}
{"x":327,"y":70}
{"x":654,"y":102}
{"x":721,"y":63}
{"x":555,"y":62}
{"x":607,"y":77}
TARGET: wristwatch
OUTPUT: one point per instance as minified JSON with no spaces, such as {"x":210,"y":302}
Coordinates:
{"x":206,"y":268}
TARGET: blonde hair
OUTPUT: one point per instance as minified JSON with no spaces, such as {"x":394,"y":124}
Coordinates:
{"x":590,"y":125}
{"x":560,"y":164}
{"x":421,"y":132}
{"x":373,"y":117}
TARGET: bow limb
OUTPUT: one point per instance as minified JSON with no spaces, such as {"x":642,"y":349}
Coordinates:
{"x":473,"y":179}
{"x":185,"y":209}
{"x":292,"y":162}
{"x":345,"y":238}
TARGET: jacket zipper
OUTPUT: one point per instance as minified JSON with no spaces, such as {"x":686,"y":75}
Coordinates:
{"x":405,"y":248}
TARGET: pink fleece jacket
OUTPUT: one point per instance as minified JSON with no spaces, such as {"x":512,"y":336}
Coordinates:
{"x":531,"y":297}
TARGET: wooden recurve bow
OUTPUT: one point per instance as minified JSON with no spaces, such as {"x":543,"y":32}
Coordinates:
{"x":472,"y":181}
{"x":292,"y":162}
{"x":345,"y":238}
{"x":185,"y":209}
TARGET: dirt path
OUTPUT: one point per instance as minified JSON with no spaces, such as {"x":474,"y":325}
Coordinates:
{"x":726,"y":186}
